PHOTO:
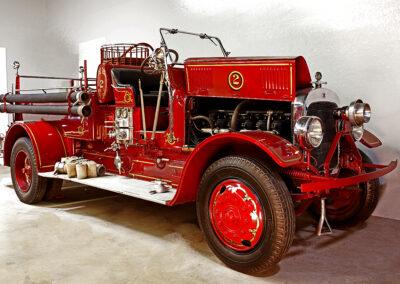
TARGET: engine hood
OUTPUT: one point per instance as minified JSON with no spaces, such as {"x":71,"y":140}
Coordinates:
{"x":272,"y":78}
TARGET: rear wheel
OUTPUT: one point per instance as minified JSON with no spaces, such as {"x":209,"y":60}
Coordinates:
{"x":347,"y":207}
{"x":29,"y":187}
{"x":246,"y":214}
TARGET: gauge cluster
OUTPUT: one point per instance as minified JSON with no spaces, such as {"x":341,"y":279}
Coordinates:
{"x":123,"y":125}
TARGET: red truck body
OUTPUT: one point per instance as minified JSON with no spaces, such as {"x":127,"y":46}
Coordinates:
{"x":197,"y":90}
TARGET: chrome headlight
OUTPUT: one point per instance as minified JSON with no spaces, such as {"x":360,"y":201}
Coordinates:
{"x":357,"y":132}
{"x":358,"y":113}
{"x":308,"y":132}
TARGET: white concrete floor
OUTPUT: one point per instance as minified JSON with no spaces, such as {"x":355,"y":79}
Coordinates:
{"x":93,"y":236}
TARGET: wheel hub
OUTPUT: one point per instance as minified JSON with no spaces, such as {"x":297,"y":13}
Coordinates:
{"x":342,"y":201}
{"x":23,"y":171}
{"x":236,"y":215}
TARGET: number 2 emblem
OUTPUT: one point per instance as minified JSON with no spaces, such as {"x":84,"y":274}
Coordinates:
{"x":235,"y":80}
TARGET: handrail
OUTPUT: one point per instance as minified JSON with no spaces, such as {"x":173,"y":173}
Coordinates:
{"x":53,"y":78}
{"x":127,"y":54}
{"x":134,"y":46}
{"x":46,"y":89}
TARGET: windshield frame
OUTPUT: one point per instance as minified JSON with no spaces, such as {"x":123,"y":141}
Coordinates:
{"x":200,"y":35}
{"x":166,"y":54}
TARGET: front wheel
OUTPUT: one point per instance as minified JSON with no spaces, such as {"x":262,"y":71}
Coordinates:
{"x":351,"y":206}
{"x":246,"y":214}
{"x":28,"y":185}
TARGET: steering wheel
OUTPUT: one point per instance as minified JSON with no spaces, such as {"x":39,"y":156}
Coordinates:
{"x":154,"y":64}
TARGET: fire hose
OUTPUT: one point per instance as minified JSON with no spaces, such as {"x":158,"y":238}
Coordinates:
{"x":77,"y":99}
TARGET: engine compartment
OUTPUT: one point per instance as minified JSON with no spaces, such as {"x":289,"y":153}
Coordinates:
{"x":210,"y":116}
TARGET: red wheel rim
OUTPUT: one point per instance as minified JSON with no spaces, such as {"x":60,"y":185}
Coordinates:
{"x":236,"y":215}
{"x":23,"y":171}
{"x":343,"y":201}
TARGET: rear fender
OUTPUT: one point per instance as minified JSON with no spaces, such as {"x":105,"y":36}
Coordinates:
{"x":260,"y":145}
{"x":47,"y":141}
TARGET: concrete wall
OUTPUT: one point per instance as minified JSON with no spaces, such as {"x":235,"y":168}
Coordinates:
{"x":354,"y":43}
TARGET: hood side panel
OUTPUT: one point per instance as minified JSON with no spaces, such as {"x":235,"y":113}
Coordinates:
{"x":266,"y":78}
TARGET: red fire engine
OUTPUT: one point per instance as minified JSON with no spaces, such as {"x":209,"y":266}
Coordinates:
{"x":252,"y":140}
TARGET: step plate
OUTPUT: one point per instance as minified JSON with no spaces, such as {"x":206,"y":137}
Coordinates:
{"x":123,"y":185}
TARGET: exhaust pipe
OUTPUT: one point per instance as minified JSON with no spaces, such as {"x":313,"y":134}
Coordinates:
{"x":74,"y":97}
{"x":82,"y":110}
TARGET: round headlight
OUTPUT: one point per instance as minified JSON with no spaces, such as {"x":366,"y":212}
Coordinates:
{"x":357,"y":132}
{"x":308,"y":131}
{"x":358,"y":113}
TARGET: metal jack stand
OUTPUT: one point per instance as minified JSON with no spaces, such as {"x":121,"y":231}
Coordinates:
{"x":323,"y":220}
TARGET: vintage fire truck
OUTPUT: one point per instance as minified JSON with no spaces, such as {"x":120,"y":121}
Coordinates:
{"x":252,"y":140}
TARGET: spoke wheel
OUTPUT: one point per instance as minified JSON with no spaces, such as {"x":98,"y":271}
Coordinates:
{"x":343,"y":202}
{"x":23,"y":170}
{"x":29,"y":187}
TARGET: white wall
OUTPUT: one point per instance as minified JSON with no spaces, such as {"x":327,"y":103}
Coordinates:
{"x":24,"y":34}
{"x":3,"y":88}
{"x":354,"y":43}
{"x":90,"y":51}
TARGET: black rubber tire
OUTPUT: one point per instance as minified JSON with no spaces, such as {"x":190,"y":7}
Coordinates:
{"x":279,"y":221}
{"x":38,"y":185}
{"x":368,"y":202}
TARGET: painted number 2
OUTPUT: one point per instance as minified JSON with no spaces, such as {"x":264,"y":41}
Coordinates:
{"x":235,"y":80}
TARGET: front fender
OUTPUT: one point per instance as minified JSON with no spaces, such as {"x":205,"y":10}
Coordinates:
{"x":46,"y":139}
{"x":370,"y":140}
{"x":284,"y":153}
{"x":261,"y":145}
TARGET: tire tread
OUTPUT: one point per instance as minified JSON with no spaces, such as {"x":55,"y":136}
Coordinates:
{"x":280,"y":197}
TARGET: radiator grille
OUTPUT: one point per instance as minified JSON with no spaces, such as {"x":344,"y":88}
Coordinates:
{"x":324,"y":110}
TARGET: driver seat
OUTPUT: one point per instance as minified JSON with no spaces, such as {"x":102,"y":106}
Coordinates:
{"x":124,"y":77}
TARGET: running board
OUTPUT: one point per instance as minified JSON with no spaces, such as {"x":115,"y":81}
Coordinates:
{"x":154,"y":191}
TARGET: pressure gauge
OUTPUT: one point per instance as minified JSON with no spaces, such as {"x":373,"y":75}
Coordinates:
{"x":124,"y":113}
{"x":118,"y":113}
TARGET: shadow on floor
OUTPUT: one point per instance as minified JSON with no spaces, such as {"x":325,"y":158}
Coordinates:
{"x":360,"y":255}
